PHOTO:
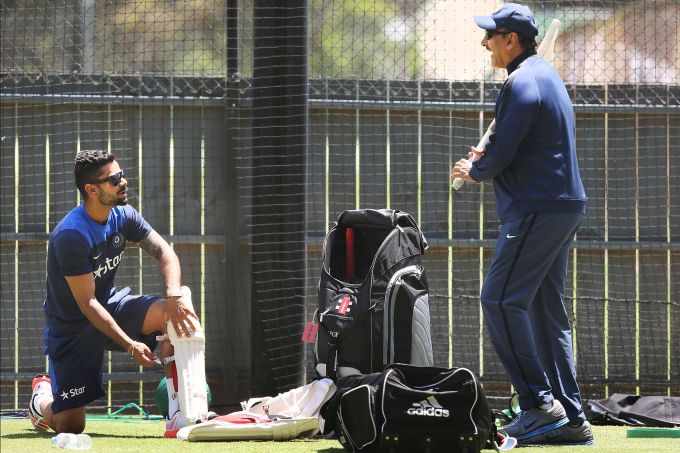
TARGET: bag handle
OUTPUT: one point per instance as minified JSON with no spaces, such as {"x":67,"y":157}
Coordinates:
{"x":381,"y":218}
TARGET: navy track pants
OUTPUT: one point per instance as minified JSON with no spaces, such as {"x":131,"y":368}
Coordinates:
{"x":522,"y":299}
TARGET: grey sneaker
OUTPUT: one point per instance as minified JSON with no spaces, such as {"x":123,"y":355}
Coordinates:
{"x":564,"y":435}
{"x":535,"y":422}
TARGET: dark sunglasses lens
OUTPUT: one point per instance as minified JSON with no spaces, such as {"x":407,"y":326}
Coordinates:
{"x":491,"y":33}
{"x":115,"y":179}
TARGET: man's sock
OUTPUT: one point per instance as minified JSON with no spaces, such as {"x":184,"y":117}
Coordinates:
{"x":173,"y":399}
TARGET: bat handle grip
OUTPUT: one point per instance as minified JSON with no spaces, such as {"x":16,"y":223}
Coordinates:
{"x":457,"y":184}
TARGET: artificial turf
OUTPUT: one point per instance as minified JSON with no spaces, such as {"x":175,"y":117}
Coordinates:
{"x":17,"y":436}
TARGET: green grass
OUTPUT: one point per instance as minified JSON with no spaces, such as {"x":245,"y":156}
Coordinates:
{"x":17,"y":436}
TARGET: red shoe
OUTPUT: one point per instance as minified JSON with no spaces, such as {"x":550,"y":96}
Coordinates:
{"x":41,"y":387}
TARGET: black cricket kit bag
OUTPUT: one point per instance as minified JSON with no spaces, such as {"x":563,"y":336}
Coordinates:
{"x":373,"y":295}
{"x":412,"y":409}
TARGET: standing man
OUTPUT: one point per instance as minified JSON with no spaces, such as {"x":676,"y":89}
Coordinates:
{"x":540,"y":199}
{"x":85,"y":314}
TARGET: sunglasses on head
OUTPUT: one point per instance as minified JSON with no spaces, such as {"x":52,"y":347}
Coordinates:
{"x":491,"y":33}
{"x":113,"y":179}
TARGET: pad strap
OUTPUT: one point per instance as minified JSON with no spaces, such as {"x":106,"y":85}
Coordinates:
{"x":167,"y":360}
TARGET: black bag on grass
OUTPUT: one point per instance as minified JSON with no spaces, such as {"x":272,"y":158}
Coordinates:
{"x":411,"y":409}
{"x":635,"y":410}
{"x":373,"y":295}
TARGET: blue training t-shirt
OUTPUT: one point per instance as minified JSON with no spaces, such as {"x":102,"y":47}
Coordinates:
{"x":79,"y":245}
{"x":532,"y":152}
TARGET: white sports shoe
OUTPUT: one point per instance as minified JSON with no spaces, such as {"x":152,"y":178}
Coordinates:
{"x":41,"y":387}
{"x":175,"y":423}
{"x":179,"y":421}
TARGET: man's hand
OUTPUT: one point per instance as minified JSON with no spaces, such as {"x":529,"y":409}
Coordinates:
{"x":461,"y":169}
{"x":142,"y":355}
{"x":182,"y":318}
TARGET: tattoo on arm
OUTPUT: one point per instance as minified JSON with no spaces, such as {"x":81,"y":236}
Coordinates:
{"x":153,"y":244}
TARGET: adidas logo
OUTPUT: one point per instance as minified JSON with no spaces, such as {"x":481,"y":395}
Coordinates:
{"x":428,"y":407}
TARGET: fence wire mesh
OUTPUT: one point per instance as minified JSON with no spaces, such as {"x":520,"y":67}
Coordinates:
{"x":393,"y":92}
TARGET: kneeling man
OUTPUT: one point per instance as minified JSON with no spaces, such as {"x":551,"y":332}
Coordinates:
{"x":86,"y":315}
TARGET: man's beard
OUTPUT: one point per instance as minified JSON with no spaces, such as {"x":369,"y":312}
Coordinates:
{"x":115,"y":200}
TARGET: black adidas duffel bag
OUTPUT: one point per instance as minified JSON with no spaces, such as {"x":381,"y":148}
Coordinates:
{"x":411,"y":409}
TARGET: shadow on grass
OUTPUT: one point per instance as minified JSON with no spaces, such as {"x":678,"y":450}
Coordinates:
{"x":29,"y":434}
{"x":32,"y":434}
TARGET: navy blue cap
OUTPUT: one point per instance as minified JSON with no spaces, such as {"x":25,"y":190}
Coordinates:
{"x":512,"y":16}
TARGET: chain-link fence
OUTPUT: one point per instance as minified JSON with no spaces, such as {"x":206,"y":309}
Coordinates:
{"x":248,"y":126}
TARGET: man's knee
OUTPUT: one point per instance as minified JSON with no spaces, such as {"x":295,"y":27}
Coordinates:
{"x":70,"y":427}
{"x":489,"y":304}
{"x":155,"y":318}
{"x":70,"y":421}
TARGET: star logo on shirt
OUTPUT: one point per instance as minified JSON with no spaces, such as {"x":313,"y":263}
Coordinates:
{"x":98,"y":272}
{"x":64,"y":395}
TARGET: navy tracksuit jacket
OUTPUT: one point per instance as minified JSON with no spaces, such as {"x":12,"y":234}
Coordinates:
{"x":541,"y":201}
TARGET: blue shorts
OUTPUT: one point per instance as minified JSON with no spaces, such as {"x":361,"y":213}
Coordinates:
{"x":76,"y":358}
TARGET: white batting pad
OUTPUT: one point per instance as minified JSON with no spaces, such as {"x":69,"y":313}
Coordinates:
{"x":190,"y":363}
{"x":259,"y":428}
{"x":290,"y":415}
{"x":305,"y":401}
